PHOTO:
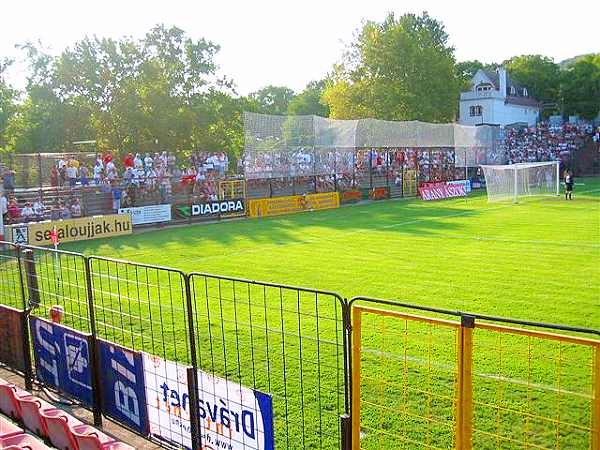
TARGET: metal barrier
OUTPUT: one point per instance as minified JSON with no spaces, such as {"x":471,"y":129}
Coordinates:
{"x":422,"y":380}
{"x":283,"y":340}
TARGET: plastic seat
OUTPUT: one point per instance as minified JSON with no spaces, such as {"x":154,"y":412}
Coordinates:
{"x":30,"y":414}
{"x":8,"y":399}
{"x":59,"y":425}
{"x":23,"y":441}
{"x":89,"y":438}
{"x":8,"y":429}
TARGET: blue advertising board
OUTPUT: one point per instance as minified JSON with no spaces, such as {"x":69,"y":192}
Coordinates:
{"x":123,"y":388}
{"x":62,"y":359}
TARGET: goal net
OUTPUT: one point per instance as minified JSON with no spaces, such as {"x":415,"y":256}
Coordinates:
{"x":510,"y":182}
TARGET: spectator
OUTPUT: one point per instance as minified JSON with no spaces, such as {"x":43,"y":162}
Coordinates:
{"x":4,"y":208}
{"x":98,"y":169}
{"x":55,"y":212}
{"x":65,"y":211}
{"x":27,"y":213}
{"x":38,"y":209}
{"x":84,"y":174}
{"x":128,"y":161}
{"x":71,"y":172}
{"x":75,"y":208}
{"x":14,"y":213}
{"x":8,"y":182}
{"x":54,"y":176}
{"x":116,"y":196}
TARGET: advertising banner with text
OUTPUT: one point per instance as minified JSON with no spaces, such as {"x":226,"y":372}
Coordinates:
{"x":220,"y":209}
{"x":275,"y":206}
{"x":142,"y":215}
{"x":62,"y":358}
{"x":69,"y":230}
{"x":122,"y":381}
{"x":231,"y":416}
{"x":437,"y":191}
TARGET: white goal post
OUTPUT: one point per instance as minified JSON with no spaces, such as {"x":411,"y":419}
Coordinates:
{"x":509,"y":182}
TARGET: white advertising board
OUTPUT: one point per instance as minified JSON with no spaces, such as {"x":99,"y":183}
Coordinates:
{"x":148,"y":214}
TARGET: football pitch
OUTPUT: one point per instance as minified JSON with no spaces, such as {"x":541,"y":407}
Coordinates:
{"x":537,"y":260}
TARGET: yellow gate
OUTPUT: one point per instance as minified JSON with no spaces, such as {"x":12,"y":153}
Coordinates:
{"x":409,"y":183}
{"x":432,"y":383}
{"x":232,"y":189}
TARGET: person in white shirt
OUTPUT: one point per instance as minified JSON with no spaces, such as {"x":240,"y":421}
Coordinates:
{"x":137,"y":161}
{"x":71,"y":173}
{"x":97,"y":172}
{"x":148,"y":161}
{"x":76,"y":208}
{"x":4,"y":207}
{"x":27,"y":212}
{"x":38,"y":209}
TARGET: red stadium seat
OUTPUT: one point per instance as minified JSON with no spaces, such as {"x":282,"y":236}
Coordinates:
{"x":8,"y":429}
{"x":59,"y":424}
{"x":22,"y":441}
{"x":89,"y":438}
{"x":30,"y":414}
{"x":8,"y":399}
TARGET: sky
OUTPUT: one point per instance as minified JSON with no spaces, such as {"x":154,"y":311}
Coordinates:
{"x":290,"y":43}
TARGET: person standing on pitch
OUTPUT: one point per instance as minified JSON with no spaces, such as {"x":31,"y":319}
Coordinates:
{"x":569,"y":181}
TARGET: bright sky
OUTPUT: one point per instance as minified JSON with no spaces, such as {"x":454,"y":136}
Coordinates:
{"x":293,"y":42}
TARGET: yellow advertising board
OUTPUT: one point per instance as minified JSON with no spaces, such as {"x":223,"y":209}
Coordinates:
{"x":265,"y":207}
{"x":71,"y":230}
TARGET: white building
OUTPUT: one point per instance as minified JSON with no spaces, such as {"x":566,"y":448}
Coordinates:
{"x":495,"y":99}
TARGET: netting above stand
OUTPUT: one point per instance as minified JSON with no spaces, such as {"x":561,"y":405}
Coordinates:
{"x":280,"y":146}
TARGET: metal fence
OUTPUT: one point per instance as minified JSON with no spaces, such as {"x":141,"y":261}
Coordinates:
{"x":364,"y":373}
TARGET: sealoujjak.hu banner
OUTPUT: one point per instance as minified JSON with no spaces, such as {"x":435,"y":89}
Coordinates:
{"x":231,"y":416}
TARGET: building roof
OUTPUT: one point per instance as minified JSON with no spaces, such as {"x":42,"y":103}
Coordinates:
{"x":493,"y":76}
{"x":522,"y":101}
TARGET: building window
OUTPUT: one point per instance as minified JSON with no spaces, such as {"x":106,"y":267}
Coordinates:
{"x":475,"y":111}
{"x":483,"y":87}
{"x":525,"y":94}
{"x":513,"y":91}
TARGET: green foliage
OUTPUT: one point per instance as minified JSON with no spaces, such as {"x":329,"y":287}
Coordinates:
{"x":308,"y":102}
{"x":400,"y":69}
{"x":538,"y":73}
{"x":273,"y":99}
{"x":8,"y":97}
{"x":581,"y":86}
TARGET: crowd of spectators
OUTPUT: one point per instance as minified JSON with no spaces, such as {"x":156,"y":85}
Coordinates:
{"x":130,"y":180}
{"x":544,"y":142}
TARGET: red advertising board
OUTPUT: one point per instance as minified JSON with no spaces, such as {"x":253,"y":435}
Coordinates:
{"x":437,"y":191}
{"x":11,"y":337}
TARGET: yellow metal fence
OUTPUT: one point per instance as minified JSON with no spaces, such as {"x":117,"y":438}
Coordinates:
{"x":421,"y":382}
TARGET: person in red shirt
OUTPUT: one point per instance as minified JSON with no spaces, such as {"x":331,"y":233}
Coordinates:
{"x":128,"y":161}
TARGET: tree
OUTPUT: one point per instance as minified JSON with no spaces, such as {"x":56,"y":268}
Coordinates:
{"x":400,"y":69}
{"x":539,"y":74}
{"x":581,"y":86}
{"x":309,"y":101}
{"x":8,"y":97}
{"x":273,"y":99}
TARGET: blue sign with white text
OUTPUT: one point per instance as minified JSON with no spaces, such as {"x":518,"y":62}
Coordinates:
{"x":62,"y":358}
{"x":123,"y":388}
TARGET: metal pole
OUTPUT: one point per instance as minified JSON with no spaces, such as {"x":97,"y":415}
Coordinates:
{"x":93,"y":341}
{"x":27,"y":367}
{"x":356,"y":354}
{"x":192,"y":373}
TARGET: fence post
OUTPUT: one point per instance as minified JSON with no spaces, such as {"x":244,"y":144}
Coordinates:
{"x":596,"y":400}
{"x":356,"y":346}
{"x":192,"y":373}
{"x":346,"y":431}
{"x":28,"y":369}
{"x":93,"y":342}
{"x":464,"y":405}
{"x":31,"y":277}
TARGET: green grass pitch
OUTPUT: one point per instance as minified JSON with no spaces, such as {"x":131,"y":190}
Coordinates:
{"x":536,"y":260}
